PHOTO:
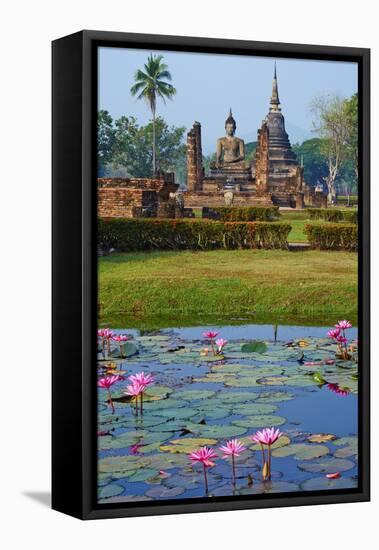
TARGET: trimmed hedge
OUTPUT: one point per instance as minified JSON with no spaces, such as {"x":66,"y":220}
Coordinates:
{"x":243,"y":214}
{"x":333,"y":215}
{"x":333,"y":236}
{"x":136,"y":234}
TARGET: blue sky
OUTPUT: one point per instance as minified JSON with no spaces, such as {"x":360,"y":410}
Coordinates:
{"x":208,"y":84}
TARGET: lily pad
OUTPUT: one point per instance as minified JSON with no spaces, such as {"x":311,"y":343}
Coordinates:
{"x":259,"y":421}
{"x":163,"y":492}
{"x":323,"y":483}
{"x":283,"y":441}
{"x":327,"y":465}
{"x":301,"y":451}
{"x":321,"y":438}
{"x":142,"y":475}
{"x":254,"y":408}
{"x":194,"y":395}
{"x":255,"y":346}
{"x":349,"y":447}
{"x":111,"y":490}
{"x":187,"y":444}
{"x":275,"y":397}
{"x":217,"y":431}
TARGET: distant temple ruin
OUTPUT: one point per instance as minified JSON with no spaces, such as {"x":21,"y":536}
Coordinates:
{"x":272,"y":177}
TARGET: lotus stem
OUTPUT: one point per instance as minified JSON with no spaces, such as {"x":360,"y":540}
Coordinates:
{"x":141,"y":403}
{"x":269,"y":462}
{"x":234,"y":469}
{"x":205,"y":479}
{"x":110,"y":400}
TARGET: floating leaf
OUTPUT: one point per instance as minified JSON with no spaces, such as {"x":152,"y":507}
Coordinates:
{"x":321,"y":438}
{"x":349,"y":447}
{"x":142,"y":475}
{"x":255,"y":346}
{"x":275,"y":397}
{"x":254,"y":409}
{"x":111,"y":490}
{"x":194,"y":395}
{"x":318,"y":378}
{"x":164,"y":492}
{"x":327,"y":465}
{"x":300,"y":451}
{"x":283,"y":441}
{"x":217,"y":431}
{"x":260,"y":421}
{"x":323,"y":483}
{"x":187,"y":445}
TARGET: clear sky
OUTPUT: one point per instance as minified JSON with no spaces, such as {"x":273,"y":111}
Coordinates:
{"x":208,"y":84}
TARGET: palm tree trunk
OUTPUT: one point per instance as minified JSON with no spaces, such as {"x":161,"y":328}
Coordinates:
{"x":154,"y":161}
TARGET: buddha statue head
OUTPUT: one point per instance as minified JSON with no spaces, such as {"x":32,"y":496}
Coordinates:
{"x":230,"y":124}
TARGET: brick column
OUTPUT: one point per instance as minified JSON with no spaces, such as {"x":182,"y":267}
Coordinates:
{"x":195,"y":170}
{"x":262,"y":160}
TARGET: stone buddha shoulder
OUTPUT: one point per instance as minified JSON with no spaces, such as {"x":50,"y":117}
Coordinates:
{"x":230,"y":149}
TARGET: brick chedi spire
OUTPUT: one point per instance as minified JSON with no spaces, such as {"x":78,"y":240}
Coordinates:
{"x":274,"y":102}
{"x":280,"y":151}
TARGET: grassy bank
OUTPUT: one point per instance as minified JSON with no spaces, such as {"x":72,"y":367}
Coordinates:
{"x":235,"y":283}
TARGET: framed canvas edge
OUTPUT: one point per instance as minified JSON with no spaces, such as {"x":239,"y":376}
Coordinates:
{"x":90,"y":41}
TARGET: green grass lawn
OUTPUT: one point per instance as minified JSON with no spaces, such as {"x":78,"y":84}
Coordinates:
{"x":267,"y":284}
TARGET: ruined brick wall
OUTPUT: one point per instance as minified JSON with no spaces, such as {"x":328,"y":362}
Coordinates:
{"x":195,"y":170}
{"x":118,"y":202}
{"x":262,"y":160}
{"x":217,"y":199}
{"x":133,"y":197}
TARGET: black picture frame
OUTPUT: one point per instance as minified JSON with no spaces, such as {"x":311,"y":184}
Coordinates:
{"x":74,"y":85}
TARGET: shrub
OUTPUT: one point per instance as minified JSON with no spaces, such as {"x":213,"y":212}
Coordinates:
{"x":243,"y":214}
{"x":131,"y":235}
{"x":333,"y":236}
{"x":351,"y":216}
{"x":333,"y":215}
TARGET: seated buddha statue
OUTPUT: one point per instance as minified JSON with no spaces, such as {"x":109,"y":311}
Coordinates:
{"x":230,"y":149}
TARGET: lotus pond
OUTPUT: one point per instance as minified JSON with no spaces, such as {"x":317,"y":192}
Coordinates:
{"x":203,"y":395}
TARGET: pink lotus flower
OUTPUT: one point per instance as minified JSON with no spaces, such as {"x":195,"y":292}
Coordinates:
{"x":106,"y":384}
{"x":108,"y":381}
{"x":341,"y":339}
{"x":136,"y":390}
{"x":105,"y":333}
{"x":232,"y":448}
{"x":220,"y":343}
{"x":334,"y":332}
{"x":120,"y":338}
{"x":203,"y":456}
{"x":335,"y":388}
{"x":329,"y":361}
{"x":343,"y":324}
{"x":268,"y":436}
{"x":210,"y":335}
{"x":142,"y":378}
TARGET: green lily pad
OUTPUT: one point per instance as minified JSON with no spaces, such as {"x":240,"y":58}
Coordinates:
{"x":254,"y":409}
{"x":327,"y":465}
{"x":323,"y":483}
{"x":187,"y":444}
{"x":238,"y":397}
{"x":275,"y":397}
{"x":216,"y":431}
{"x":349,"y":447}
{"x":121,"y":464}
{"x":301,"y":451}
{"x":111,"y":490}
{"x":262,"y":487}
{"x":255,"y":346}
{"x":142,"y":475}
{"x":163,"y":492}
{"x":259,"y":421}
{"x":155,"y":393}
{"x":128,"y":349}
{"x":194,"y":395}
{"x":176,"y":414}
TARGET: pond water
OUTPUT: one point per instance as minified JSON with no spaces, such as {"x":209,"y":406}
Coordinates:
{"x":292,"y":380}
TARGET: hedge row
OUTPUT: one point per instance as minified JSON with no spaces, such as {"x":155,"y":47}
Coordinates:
{"x":243,"y":214}
{"x":333,"y":215}
{"x":131,"y":235}
{"x":333,"y":236}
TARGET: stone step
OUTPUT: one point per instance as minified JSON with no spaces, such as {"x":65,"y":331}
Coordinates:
{"x":298,"y":247}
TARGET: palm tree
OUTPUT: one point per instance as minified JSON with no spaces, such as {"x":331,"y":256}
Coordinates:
{"x":151,"y":84}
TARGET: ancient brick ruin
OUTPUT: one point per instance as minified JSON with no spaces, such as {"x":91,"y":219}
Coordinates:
{"x":272,"y":177}
{"x":136,"y":197}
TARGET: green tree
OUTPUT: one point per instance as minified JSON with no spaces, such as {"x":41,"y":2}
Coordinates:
{"x":105,"y":140}
{"x":310,"y":153}
{"x":351,"y":108}
{"x":133,"y":146}
{"x":331,"y":124}
{"x":151,"y":84}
